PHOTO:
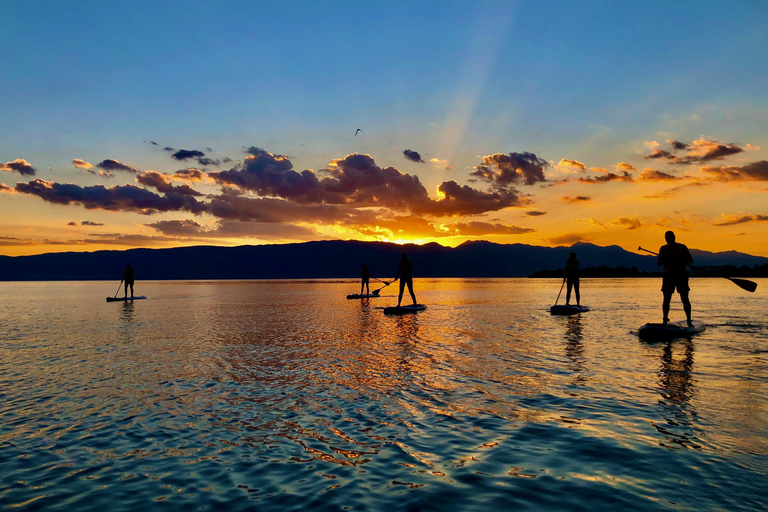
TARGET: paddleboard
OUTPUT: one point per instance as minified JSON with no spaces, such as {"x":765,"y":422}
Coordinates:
{"x":363,"y":296}
{"x":679,"y":329}
{"x":562,"y":309}
{"x":123,"y":299}
{"x":399,"y":310}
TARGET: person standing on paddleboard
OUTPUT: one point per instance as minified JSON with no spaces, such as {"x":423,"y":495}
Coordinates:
{"x":365,"y":274}
{"x":128,"y":278}
{"x":571,"y":275}
{"x":675,"y":257}
{"x":405,"y":273}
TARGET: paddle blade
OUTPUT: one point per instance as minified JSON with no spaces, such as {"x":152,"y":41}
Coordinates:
{"x":750,"y":286}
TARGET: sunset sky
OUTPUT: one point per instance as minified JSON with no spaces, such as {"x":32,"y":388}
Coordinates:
{"x":160,"y":124}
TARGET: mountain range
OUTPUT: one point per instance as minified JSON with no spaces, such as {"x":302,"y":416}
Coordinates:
{"x":336,"y":259}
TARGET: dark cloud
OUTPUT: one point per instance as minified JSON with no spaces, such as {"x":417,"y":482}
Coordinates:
{"x":661,"y":153}
{"x":190,"y":174}
{"x":153,"y":143}
{"x":677,"y":145}
{"x":413,"y":156}
{"x":732,"y":220}
{"x":116,"y":198}
{"x":755,"y":171}
{"x":163,"y":184}
{"x":606,"y":178}
{"x":186,"y":154}
{"x":89,"y":223}
{"x":534,"y":213}
{"x":199,"y":156}
{"x":577,"y":199}
{"x":72,"y":223}
{"x":503,"y":170}
{"x":654,"y":175}
{"x":19,"y":165}
{"x":464,"y":200}
{"x":114,"y":165}
{"x":699,"y":151}
{"x":356,"y":180}
{"x":169,"y":149}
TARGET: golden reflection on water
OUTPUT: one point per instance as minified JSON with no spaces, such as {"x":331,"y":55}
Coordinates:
{"x":484,"y":383}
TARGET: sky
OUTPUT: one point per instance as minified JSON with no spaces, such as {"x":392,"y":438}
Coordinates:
{"x":164,"y":124}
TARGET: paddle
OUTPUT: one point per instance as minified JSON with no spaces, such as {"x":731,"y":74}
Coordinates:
{"x":376,"y":292}
{"x":558,"y":293}
{"x":118,"y":288}
{"x":744,"y":284}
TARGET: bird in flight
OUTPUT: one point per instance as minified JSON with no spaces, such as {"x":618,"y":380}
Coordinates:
{"x":358,"y":130}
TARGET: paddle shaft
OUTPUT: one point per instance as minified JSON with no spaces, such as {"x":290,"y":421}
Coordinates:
{"x":118,"y":287}
{"x":558,"y":293}
{"x":744,"y":284}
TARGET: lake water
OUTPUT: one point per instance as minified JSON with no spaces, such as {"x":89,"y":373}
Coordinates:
{"x":246,"y":395}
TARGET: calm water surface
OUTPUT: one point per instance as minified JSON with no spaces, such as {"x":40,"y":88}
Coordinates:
{"x":246,"y":395}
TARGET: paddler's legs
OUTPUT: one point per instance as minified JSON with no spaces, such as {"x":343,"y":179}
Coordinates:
{"x":568,"y":292}
{"x":410,"y":289}
{"x":665,"y":305}
{"x":400,"y":296}
{"x":686,"y":307}
{"x":576,"y":289}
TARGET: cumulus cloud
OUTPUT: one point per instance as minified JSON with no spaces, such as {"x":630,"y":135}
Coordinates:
{"x":577,"y":199}
{"x":741,"y":218}
{"x":567,"y":165}
{"x":503,"y":170}
{"x":413,"y":156}
{"x":5,"y":188}
{"x":628,"y":223}
{"x":19,"y":165}
{"x":606,"y":178}
{"x":654,"y":175}
{"x":190,"y":174}
{"x":162,"y":183}
{"x":356,"y":180}
{"x":755,"y":171}
{"x":114,"y":165}
{"x":82,"y":164}
{"x":698,"y":151}
{"x":116,"y":198}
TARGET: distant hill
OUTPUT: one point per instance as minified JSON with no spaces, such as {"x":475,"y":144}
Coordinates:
{"x":334,"y":259}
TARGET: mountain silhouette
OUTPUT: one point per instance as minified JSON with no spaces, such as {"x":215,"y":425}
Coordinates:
{"x":334,"y":259}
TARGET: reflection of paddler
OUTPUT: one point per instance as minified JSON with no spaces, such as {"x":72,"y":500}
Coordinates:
{"x":365,"y":274}
{"x":405,"y":273}
{"x":128,"y":278}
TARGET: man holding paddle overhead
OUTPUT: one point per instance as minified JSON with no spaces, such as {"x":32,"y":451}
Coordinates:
{"x":675,"y":257}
